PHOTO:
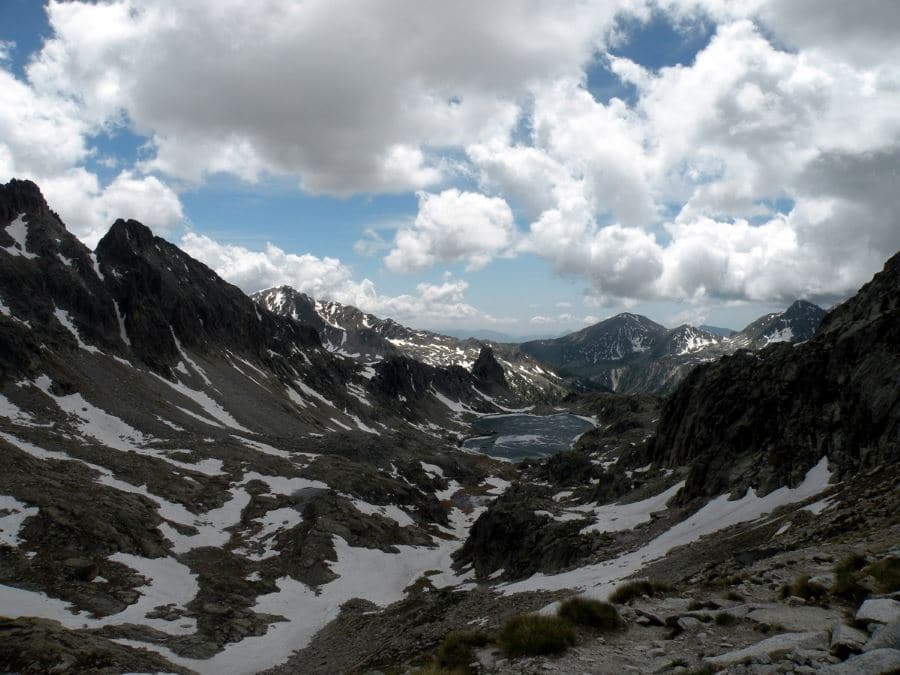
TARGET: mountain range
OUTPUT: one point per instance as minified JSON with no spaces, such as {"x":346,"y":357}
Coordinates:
{"x":630,"y":353}
{"x":194,"y":480}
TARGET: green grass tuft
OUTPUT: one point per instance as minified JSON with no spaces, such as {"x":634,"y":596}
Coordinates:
{"x":636,"y":589}
{"x":590,"y":614}
{"x":806,"y":589}
{"x":725,"y":619}
{"x":847,"y":575}
{"x":886,"y":574}
{"x":457,"y":651}
{"x":535,"y":635}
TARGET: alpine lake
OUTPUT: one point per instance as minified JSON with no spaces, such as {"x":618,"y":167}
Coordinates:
{"x":515,"y":437}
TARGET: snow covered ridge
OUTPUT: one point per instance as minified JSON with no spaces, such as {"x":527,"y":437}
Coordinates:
{"x":349,"y":332}
{"x":629,"y":353}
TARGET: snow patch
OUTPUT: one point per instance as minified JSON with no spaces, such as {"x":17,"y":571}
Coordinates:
{"x":18,"y":231}
{"x":63,"y":317}
{"x":599,"y":580}
{"x":12,"y":515}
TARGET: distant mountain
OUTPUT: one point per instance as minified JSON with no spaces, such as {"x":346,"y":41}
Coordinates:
{"x":352,"y":333}
{"x":631,"y":353}
{"x":493,"y":335}
{"x":718,"y":330}
{"x":616,"y":340}
{"x":796,"y":324}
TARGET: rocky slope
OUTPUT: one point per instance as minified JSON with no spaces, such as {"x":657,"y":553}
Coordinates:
{"x":796,"y":324}
{"x":179,"y":467}
{"x":348,"y":331}
{"x":761,"y":419}
{"x":629,"y":353}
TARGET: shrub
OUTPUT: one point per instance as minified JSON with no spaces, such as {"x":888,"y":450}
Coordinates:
{"x":457,"y":651}
{"x":847,"y":585}
{"x":636,"y":589}
{"x":590,"y":614}
{"x":804,"y":588}
{"x":886,"y":574}
{"x":535,"y":635}
{"x":725,"y":619}
{"x":734,"y":596}
{"x":733,"y":580}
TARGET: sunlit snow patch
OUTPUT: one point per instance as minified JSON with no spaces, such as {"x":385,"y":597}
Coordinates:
{"x":598,"y":580}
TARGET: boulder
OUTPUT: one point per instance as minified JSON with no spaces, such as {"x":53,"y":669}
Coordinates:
{"x":879,"y":610}
{"x":886,"y":637}
{"x":770,"y":649}
{"x":876,"y":662}
{"x":689,"y":623}
{"x":845,"y":639}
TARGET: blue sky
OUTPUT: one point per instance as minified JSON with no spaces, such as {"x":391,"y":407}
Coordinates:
{"x":663,"y":158}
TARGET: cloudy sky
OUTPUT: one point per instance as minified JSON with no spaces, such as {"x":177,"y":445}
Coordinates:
{"x":524,"y":166}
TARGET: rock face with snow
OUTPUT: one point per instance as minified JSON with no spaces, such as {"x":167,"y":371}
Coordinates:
{"x":763,"y":419}
{"x":619,"y":339}
{"x":350,"y":332}
{"x":796,"y":324}
{"x":629,"y":353}
{"x":182,"y":466}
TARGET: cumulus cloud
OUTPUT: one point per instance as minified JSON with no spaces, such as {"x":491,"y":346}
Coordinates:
{"x":44,"y":138}
{"x":88,"y":209}
{"x":341,"y":94}
{"x":453,"y":226}
{"x":329,"y":279}
{"x":725,"y":137}
{"x":669,"y":195}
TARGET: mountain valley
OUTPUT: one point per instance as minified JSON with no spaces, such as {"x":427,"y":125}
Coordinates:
{"x":194,"y":480}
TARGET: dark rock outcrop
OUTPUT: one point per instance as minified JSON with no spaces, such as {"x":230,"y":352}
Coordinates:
{"x":764,"y":419}
{"x":512,"y":537}
{"x":165,"y":295}
{"x":487,"y":369}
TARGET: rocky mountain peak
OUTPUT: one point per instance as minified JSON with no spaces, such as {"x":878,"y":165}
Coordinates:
{"x":487,"y":368}
{"x":21,"y":196}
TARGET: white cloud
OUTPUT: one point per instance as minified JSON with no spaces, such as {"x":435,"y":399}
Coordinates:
{"x":344,"y":95}
{"x":329,"y":279}
{"x":668,"y":196}
{"x":742,"y":126}
{"x":44,"y":138}
{"x":453,"y":226}
{"x":371,"y":243}
{"x":7,"y":47}
{"x":89,"y":209}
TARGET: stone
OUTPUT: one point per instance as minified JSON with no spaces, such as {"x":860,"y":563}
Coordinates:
{"x":886,"y":637}
{"x":689,"y":623}
{"x":795,"y":619}
{"x":81,"y":568}
{"x":648,"y":618}
{"x":846,"y":639}
{"x":826,"y":580}
{"x":881,"y":610}
{"x":875,"y":662}
{"x":774,"y":647}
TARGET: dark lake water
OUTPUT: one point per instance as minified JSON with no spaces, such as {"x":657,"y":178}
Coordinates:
{"x":518,"y":437}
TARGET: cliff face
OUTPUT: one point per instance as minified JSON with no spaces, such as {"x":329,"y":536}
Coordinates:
{"x":764,"y":419}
